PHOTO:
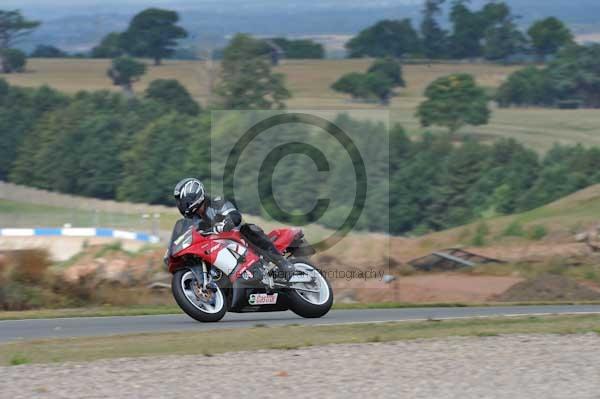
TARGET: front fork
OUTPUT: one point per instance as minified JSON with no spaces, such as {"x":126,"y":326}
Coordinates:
{"x":200,"y":273}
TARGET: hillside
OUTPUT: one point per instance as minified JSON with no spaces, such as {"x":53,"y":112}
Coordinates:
{"x":508,"y":236}
{"x":310,"y":81}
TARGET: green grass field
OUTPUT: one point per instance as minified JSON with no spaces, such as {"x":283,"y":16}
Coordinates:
{"x":567,"y":215}
{"x":310,"y":81}
{"x":15,"y":214}
{"x":289,"y":337}
{"x":572,"y":214}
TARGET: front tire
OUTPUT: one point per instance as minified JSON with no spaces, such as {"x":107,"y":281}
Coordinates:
{"x":316,"y":302}
{"x":183,"y":292}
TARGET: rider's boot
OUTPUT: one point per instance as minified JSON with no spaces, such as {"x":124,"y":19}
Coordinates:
{"x":285,"y":268}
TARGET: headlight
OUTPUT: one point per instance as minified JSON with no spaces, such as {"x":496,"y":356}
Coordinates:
{"x":182,"y":242}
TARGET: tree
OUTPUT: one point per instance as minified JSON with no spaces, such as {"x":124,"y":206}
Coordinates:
{"x":168,"y":137}
{"x":490,"y":31}
{"x":467,"y":32}
{"x":79,"y":147}
{"x":503,"y":40}
{"x":247,"y":81}
{"x":243,"y":47}
{"x":494,"y":12}
{"x":125,"y":71}
{"x":109,"y":47}
{"x":380,"y":86}
{"x":510,"y":171}
{"x":172,"y":94}
{"x":13,"y":60}
{"x":378,"y":83}
{"x":153,"y":33}
{"x":300,"y":49}
{"x":452,"y":200}
{"x":47,"y":51}
{"x":571,"y":80}
{"x":434,"y":38}
{"x":389,"y":68}
{"x":365,"y":86}
{"x":526,"y":87}
{"x":575,"y":75}
{"x":352,"y":83}
{"x":394,"y":38}
{"x":20,"y":109}
{"x":548,"y":36}
{"x":454,"y":101}
{"x":13,"y":26}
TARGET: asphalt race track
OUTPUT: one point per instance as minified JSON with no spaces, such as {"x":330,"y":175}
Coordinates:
{"x":12,"y":330}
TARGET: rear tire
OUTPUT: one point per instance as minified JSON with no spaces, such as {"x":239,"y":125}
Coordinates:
{"x":307,"y":304}
{"x":193,"y":307}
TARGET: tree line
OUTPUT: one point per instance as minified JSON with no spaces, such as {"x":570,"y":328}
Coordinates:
{"x":152,"y":33}
{"x":571,"y":80}
{"x":100,"y":144}
{"x":491,"y":32}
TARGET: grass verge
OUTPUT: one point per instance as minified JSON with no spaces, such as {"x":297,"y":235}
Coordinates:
{"x":104,"y":311}
{"x":143,"y":310}
{"x":289,"y":337}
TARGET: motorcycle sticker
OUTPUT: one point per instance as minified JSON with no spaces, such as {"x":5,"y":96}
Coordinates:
{"x":247,"y":275}
{"x":262,"y":299}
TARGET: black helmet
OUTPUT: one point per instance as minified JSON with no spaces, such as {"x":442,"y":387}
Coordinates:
{"x":189,"y":195}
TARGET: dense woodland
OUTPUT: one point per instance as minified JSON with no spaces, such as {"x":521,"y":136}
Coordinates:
{"x":103,"y":145}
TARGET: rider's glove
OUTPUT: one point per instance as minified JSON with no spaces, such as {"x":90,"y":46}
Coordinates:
{"x":166,"y":258}
{"x":222,"y":226}
{"x":219,"y":227}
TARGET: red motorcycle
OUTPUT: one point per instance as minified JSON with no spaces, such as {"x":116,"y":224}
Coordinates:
{"x":216,"y":273}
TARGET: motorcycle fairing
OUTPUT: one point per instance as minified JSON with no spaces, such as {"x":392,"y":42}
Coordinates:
{"x":209,"y":247}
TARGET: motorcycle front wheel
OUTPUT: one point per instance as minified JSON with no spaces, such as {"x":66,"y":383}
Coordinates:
{"x":190,"y":299}
{"x":309,"y":299}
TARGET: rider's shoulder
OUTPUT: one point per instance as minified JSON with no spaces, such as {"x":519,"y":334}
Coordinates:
{"x":217,"y":202}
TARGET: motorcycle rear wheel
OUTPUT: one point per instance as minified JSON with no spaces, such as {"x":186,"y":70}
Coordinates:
{"x":183,"y":292}
{"x":316,"y":302}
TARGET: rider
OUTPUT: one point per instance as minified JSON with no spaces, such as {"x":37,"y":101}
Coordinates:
{"x":217,"y":215}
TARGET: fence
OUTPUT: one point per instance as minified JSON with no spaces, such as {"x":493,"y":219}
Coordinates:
{"x":79,"y":232}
